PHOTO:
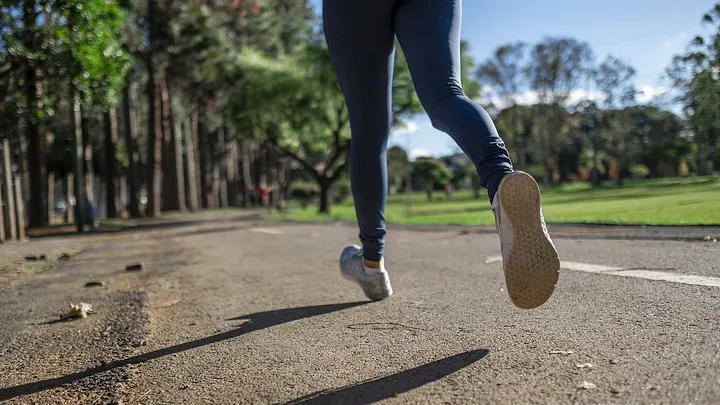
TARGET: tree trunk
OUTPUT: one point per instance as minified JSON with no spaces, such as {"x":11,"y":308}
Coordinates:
{"x":246,"y":176}
{"x":131,"y":130}
{"x":325,"y":195}
{"x":190,"y":148}
{"x":548,"y":172}
{"x":213,"y":172}
{"x":34,"y":129}
{"x":620,"y":168}
{"x":271,"y":176}
{"x":22,"y":158}
{"x":20,"y":210}
{"x":122,"y":196}
{"x":194,"y":127}
{"x":155,"y":142}
{"x":77,"y":159}
{"x":36,"y":149}
{"x":232,"y":170}
{"x":50,"y":196}
{"x":221,"y":167}
{"x":522,"y":158}
{"x":282,"y":183}
{"x":88,"y":161}
{"x":179,"y":166}
{"x":110,"y":163}
{"x":9,"y":192}
{"x":204,"y":154}
{"x":2,"y":214}
{"x":68,"y":188}
{"x":595,"y":172}
{"x":703,"y":168}
{"x":170,"y":196}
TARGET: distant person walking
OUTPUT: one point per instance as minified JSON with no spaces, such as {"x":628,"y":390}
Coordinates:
{"x":361,"y":39}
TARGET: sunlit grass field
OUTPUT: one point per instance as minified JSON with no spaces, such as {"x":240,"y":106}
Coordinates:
{"x":673,"y":201}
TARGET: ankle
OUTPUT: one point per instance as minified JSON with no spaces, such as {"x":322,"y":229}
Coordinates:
{"x":371,"y":264}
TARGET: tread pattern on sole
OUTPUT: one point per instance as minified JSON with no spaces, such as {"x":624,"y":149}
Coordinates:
{"x":533,"y":265}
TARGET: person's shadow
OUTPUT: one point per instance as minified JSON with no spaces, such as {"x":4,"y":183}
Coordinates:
{"x":375,"y":390}
{"x":257,"y":321}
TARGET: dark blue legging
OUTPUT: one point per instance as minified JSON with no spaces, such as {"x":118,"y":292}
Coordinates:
{"x":361,"y":39}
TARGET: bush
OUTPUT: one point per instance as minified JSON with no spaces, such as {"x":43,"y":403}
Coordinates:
{"x":537,"y":171}
{"x":640,"y":171}
{"x":304,"y":192}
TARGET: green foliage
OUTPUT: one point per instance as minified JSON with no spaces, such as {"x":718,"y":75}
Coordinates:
{"x":504,"y":72}
{"x":91,"y":38}
{"x":471,"y":87}
{"x":557,"y":66}
{"x":342,"y":190}
{"x":696,"y":75}
{"x":430,"y":171}
{"x":398,"y":166}
{"x":640,"y":171}
{"x":613,"y":78}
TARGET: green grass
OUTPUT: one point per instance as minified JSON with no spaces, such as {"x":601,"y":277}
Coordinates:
{"x":674,"y":201}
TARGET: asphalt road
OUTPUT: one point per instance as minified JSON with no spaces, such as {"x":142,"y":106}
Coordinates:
{"x":251,"y":312}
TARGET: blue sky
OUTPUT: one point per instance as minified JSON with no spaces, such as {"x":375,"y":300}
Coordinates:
{"x":645,"y":33}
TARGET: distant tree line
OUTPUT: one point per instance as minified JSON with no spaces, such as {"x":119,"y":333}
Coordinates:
{"x":149,"y":106}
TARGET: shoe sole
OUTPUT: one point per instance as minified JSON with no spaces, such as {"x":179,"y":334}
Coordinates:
{"x":370,"y":297}
{"x":533,"y":266}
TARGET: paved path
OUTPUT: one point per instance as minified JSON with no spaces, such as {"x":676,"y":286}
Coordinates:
{"x":252,"y":312}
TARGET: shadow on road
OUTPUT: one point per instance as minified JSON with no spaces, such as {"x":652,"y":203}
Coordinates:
{"x":207,"y":231}
{"x":145,"y":224}
{"x":255,"y":322}
{"x":382,"y":388}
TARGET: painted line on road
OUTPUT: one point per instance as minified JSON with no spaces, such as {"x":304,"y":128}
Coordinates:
{"x":634,"y":273}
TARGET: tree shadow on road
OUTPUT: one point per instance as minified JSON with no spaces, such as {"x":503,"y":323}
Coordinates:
{"x":255,"y":322}
{"x":371,"y":391}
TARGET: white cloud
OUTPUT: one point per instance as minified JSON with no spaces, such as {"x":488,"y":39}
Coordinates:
{"x":416,"y":153}
{"x":579,"y":95}
{"x":408,"y":128}
{"x":530,"y":97}
{"x":648,"y":93}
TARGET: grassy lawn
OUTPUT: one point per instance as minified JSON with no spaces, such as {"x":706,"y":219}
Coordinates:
{"x":676,"y":201}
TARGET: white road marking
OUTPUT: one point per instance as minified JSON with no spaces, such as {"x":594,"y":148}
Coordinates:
{"x":271,"y":231}
{"x":621,"y":272}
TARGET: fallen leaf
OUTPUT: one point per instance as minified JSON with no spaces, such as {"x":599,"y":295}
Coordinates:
{"x":563,"y":352}
{"x":587,"y":386}
{"x":80,"y":310}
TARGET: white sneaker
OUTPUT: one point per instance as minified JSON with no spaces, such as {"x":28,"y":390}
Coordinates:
{"x":530,"y":260}
{"x":374,"y":283}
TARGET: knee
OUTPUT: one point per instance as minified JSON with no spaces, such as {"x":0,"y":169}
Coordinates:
{"x":436,"y":123}
{"x":438,"y":102}
{"x":436,"y":97}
